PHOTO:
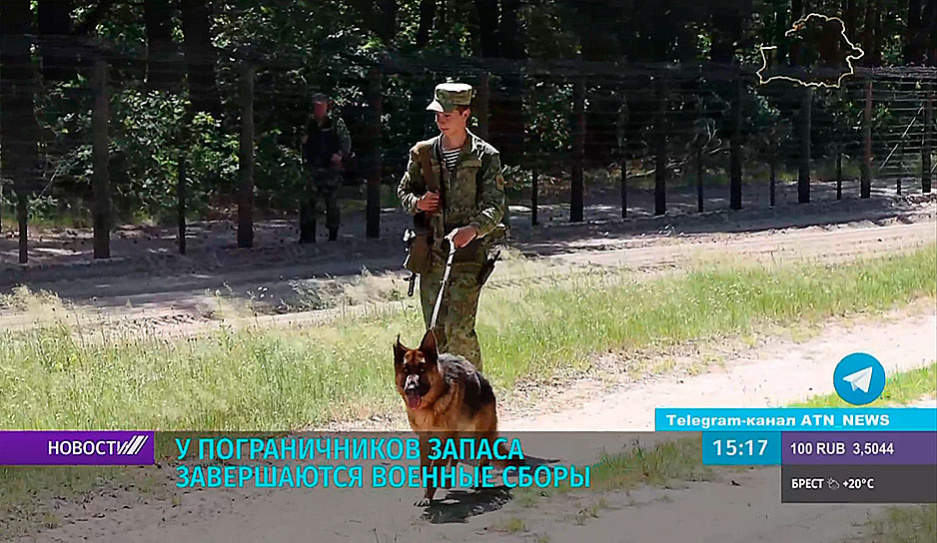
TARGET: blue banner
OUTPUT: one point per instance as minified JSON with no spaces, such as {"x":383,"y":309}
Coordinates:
{"x":741,"y":448}
{"x":799,"y":419}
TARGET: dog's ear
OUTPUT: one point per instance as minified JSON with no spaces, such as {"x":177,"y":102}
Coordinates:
{"x":399,"y":351}
{"x":428,"y":347}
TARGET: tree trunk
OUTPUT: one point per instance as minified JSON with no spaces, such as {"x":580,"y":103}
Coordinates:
{"x":839,"y":173}
{"x":246,"y":160}
{"x":388,"y":27}
{"x":162,"y":70}
{"x":482,"y":103}
{"x":868,"y":38}
{"x":797,"y":12}
{"x":200,"y":57}
{"x":929,"y":32}
{"x":598,"y":43}
{"x":803,"y":174}
{"x":849,"y":20}
{"x":622,"y":135}
{"x":865,"y":188}
{"x":660,"y":151}
{"x":380,"y":17}
{"x":180,"y":202}
{"x":58,"y":57}
{"x":488,"y":34}
{"x":913,"y":50}
{"x":772,"y":178}
{"x":19,"y":130}
{"x":375,"y":103}
{"x":506,"y":102}
{"x":781,"y":26}
{"x":699,"y":178}
{"x":735,"y":151}
{"x":578,"y":133}
{"x":928,"y":140}
{"x":101,"y":175}
{"x":427,"y":17}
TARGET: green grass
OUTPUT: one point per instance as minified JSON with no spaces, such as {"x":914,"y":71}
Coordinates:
{"x":275,"y":380}
{"x":902,"y":388}
{"x":511,"y":525}
{"x":257,"y":379}
{"x":909,"y":524}
{"x":658,"y":465}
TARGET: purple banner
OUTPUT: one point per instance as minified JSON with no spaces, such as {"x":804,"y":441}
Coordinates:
{"x":845,"y":448}
{"x":76,"y":448}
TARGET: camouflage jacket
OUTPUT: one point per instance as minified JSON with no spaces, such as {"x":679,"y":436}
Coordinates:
{"x":320,"y":143}
{"x":473,"y":194}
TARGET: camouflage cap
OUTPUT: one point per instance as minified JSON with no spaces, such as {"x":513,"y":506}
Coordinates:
{"x":321,"y":98}
{"x":449,"y":95}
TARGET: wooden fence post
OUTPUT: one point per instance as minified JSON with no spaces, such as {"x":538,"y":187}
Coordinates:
{"x":623,"y":151}
{"x":928,"y":140}
{"x":101,"y":176}
{"x":803,"y":174}
{"x":735,"y":148}
{"x":483,"y":101}
{"x":375,"y":108}
{"x":772,"y":178}
{"x":246,"y":160}
{"x":660,"y":174}
{"x":839,"y":172}
{"x":180,"y":201}
{"x":865,"y":187}
{"x":22,"y":203}
{"x":699,"y":178}
{"x":579,"y":139}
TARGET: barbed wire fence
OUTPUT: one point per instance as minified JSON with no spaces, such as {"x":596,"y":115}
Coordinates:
{"x":584,"y":140}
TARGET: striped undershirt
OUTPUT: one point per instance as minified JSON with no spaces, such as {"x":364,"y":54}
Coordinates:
{"x":450,"y":157}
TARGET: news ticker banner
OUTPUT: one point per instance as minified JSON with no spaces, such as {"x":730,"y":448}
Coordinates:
{"x":796,"y":419}
{"x":784,"y":436}
{"x":835,"y":467}
{"x":827,"y":455}
{"x":321,"y":460}
{"x":77,"y":448}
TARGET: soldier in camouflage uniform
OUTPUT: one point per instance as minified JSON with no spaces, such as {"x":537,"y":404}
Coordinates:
{"x":469,"y":209}
{"x":326,"y":144}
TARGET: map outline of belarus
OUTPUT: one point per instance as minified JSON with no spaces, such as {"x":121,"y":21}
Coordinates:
{"x":828,"y":42}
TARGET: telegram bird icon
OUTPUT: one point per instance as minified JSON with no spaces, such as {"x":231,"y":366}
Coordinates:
{"x":860,"y":379}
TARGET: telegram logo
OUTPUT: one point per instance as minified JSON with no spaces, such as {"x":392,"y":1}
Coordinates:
{"x":859,"y":379}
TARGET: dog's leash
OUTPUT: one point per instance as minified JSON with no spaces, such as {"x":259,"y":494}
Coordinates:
{"x":445,"y":281}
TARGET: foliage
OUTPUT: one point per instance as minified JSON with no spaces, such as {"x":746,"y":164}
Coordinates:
{"x":299,"y":48}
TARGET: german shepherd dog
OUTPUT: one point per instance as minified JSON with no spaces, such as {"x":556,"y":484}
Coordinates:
{"x":446,"y":398}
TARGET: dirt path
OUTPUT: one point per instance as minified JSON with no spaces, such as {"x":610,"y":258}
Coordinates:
{"x":180,"y":305}
{"x":734,"y":506}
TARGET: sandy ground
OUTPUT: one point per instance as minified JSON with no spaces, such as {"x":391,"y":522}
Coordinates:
{"x":163,"y":293}
{"x":729,"y":506}
{"x":740,"y":506}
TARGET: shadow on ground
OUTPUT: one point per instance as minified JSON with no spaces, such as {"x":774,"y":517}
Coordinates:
{"x":460,"y":505}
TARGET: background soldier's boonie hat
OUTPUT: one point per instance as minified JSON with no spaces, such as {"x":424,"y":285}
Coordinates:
{"x":449,"y":95}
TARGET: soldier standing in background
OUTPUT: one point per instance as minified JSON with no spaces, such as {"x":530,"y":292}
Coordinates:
{"x":326,"y":144}
{"x":455,"y":182}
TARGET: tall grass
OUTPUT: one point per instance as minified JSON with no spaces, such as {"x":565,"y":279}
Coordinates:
{"x":262,"y":379}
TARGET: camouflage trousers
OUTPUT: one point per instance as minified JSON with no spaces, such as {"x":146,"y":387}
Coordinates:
{"x":455,"y":324}
{"x":322,"y":185}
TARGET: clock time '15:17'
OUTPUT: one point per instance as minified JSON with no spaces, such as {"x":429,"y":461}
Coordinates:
{"x":735,"y":447}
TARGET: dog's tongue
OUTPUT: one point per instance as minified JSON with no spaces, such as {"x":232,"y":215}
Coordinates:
{"x":413,"y":399}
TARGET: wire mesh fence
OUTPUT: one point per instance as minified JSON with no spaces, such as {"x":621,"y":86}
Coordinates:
{"x":107,"y":134}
